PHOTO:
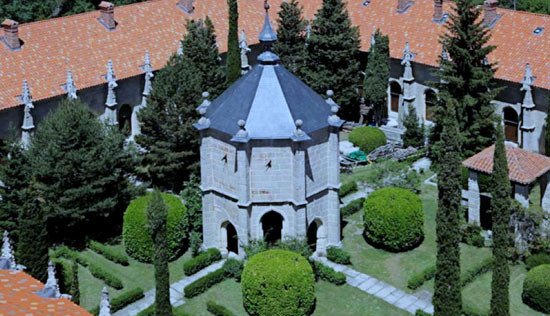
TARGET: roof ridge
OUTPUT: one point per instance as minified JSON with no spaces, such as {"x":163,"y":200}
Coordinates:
{"x":512,"y":11}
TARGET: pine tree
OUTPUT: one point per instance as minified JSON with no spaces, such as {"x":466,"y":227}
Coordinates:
{"x":157,"y":216}
{"x":290,"y":44}
{"x":32,"y":246}
{"x":332,"y":57}
{"x":192,"y":197}
{"x":447,"y":287}
{"x":75,"y":285}
{"x":233,"y":51}
{"x":467,"y":77}
{"x":500,"y":213}
{"x":377,"y":77}
{"x":80,"y":167}
{"x":414,"y":132}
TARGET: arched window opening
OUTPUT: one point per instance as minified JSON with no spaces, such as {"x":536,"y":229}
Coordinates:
{"x":125,"y":119}
{"x":511,"y":124}
{"x":272,"y":225}
{"x":430,"y":98}
{"x":395,"y":95}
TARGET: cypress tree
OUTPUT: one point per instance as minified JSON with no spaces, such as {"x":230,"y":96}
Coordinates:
{"x":233,"y":51}
{"x":192,"y":197}
{"x":332,"y":57}
{"x":157,"y":216}
{"x":447,"y":287}
{"x":500,"y":213}
{"x":414,"y":132}
{"x":467,"y":77}
{"x":75,"y":285}
{"x":547,"y":134}
{"x":80,"y":168}
{"x":290,"y":44}
{"x":377,"y":76}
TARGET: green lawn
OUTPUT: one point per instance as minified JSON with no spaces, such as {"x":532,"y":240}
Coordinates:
{"x":331,"y":300}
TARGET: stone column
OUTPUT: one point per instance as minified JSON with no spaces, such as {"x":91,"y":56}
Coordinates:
{"x":474,"y":198}
{"x":210,"y":229}
{"x":521,"y":194}
{"x":408,"y":84}
{"x":529,"y":136}
{"x":243,"y":182}
{"x":333,"y":183}
{"x":321,"y":249}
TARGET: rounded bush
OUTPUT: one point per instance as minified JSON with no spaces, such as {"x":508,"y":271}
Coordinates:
{"x":135,"y":231}
{"x":368,"y":138}
{"x":394,"y":219}
{"x":278,"y":283}
{"x":536,"y":288}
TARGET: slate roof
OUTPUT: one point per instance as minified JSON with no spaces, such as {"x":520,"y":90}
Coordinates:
{"x":270,"y":100}
{"x":524,"y":167}
{"x":18,"y":297}
{"x":80,"y":43}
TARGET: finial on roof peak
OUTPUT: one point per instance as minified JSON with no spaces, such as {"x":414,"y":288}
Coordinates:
{"x":69,"y":86}
{"x":7,"y":259}
{"x":267,"y":35}
{"x":528,"y":78}
{"x":242,"y":134}
{"x":299,"y":135}
{"x":408,"y":55}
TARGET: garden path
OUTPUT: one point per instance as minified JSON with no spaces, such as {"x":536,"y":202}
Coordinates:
{"x":176,"y":292}
{"x":380,"y":289}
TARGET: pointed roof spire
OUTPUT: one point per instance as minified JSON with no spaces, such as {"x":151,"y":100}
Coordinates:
{"x":7,"y":259}
{"x":148,"y":70}
{"x":408,"y":55}
{"x":105,"y":303}
{"x":267,"y":35}
{"x":69,"y":86}
{"x":26,"y":99}
{"x":51,"y":289}
{"x":110,"y":76}
{"x":528,"y":78}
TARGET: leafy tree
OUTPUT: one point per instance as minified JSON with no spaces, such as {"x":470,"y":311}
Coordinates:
{"x":192,"y":197}
{"x":467,"y":79}
{"x":447,"y":287}
{"x":157,"y":214}
{"x":79,"y":166}
{"x":290,"y":44}
{"x":332,"y":56}
{"x":233,"y":51}
{"x":414,"y":131}
{"x":500,"y":212}
{"x":75,"y":286}
{"x":377,"y":76}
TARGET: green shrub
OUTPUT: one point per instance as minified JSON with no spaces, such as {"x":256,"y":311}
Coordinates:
{"x":367,"y":138}
{"x":328,"y":274}
{"x":123,"y":300}
{"x":417,"y":279}
{"x":347,"y":188}
{"x":352,"y":207}
{"x":394,"y":219}
{"x":471,"y":235}
{"x":298,"y":245}
{"x":420,"y":312}
{"x":135,"y":231}
{"x":338,"y":255}
{"x":278,"y":283}
{"x":64,"y":274}
{"x":110,"y":254}
{"x":391,"y":173}
{"x":218,"y":310}
{"x":203,"y":284}
{"x":150,"y":311}
{"x":64,"y":252}
{"x":106,"y":276}
{"x":201,"y":261}
{"x":477,"y":270}
{"x":536,"y":288}
{"x":537,"y":260}
{"x":233,"y":269}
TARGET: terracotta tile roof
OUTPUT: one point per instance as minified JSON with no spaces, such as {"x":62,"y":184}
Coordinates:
{"x":524,"y":166}
{"x":81,"y":43}
{"x":17,"y":297}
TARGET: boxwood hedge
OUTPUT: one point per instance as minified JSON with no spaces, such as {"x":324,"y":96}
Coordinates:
{"x":135,"y":231}
{"x":201,"y":261}
{"x":537,"y":260}
{"x":536,"y":288}
{"x":278,"y":283}
{"x":368,"y":138}
{"x":394,"y":219}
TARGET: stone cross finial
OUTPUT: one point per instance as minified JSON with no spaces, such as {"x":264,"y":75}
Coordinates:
{"x":105,"y":303}
{"x":148,"y":70}
{"x":109,"y":117}
{"x":7,"y":259}
{"x":408,"y":56}
{"x":70,"y":87}
{"x":528,"y":78}
{"x":243,"y":44}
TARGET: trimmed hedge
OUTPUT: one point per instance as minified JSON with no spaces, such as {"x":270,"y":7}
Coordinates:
{"x":123,"y":300}
{"x":328,"y":274}
{"x":150,"y":311}
{"x":347,"y":188}
{"x":536,"y":288}
{"x":338,"y":255}
{"x":64,"y":252}
{"x":537,"y":260}
{"x":484,"y":266}
{"x":203,"y":284}
{"x":368,"y":138}
{"x":420,"y":312}
{"x":135,"y":230}
{"x":201,"y":261}
{"x":416,"y":280}
{"x":104,"y":275}
{"x":233,"y":269}
{"x":352,"y":207}
{"x":278,"y":283}
{"x":108,"y":253}
{"x":64,"y":274}
{"x":394,"y":219}
{"x":218,"y":310}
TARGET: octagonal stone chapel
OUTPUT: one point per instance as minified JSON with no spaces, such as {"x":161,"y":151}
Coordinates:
{"x":269,"y":160}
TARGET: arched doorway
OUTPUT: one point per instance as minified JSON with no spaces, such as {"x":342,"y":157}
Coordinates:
{"x":511,"y":124}
{"x":125,"y":119}
{"x":312,"y":235}
{"x":316,"y":237}
{"x":272,"y":225}
{"x":430,"y":99}
{"x":229,"y":238}
{"x":395,"y":95}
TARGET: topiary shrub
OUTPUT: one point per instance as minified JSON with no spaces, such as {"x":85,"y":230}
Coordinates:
{"x":135,"y":230}
{"x":328,"y":274}
{"x":536,"y":288}
{"x":278,"y":283}
{"x":394,"y":219}
{"x":352,"y":207}
{"x":368,"y":138}
{"x":338,"y":255}
{"x":537,"y":260}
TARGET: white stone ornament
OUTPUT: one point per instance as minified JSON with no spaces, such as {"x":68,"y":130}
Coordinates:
{"x":70,"y":87}
{"x":109,"y":117}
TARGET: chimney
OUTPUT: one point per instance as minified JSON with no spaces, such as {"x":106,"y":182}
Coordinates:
{"x":404,"y":5}
{"x":490,"y":13}
{"x":186,"y":6}
{"x":107,"y":15}
{"x":11,"y":34}
{"x":438,"y":10}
